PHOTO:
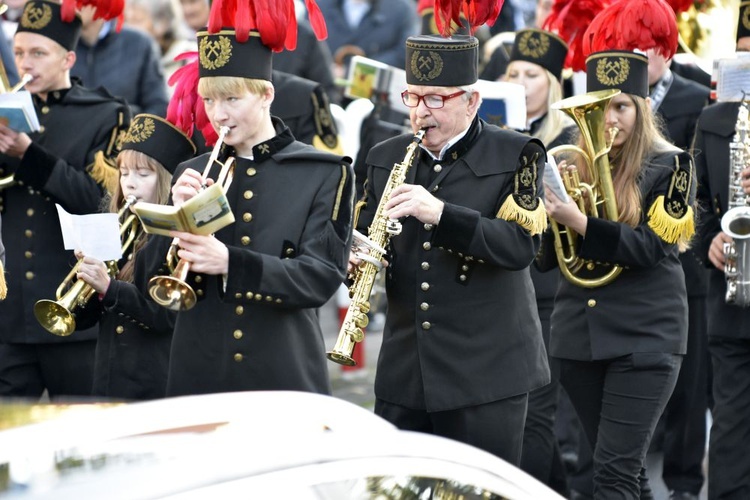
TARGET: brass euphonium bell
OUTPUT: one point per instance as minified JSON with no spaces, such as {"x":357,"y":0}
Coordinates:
{"x":58,"y":316}
{"x":594,"y":199}
{"x":173,"y":291}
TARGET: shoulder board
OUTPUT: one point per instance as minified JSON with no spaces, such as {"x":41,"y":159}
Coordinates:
{"x":299,"y":151}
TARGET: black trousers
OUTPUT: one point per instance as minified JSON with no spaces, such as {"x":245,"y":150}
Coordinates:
{"x":619,"y":402}
{"x":65,"y":370}
{"x":495,"y":427}
{"x":729,"y":444}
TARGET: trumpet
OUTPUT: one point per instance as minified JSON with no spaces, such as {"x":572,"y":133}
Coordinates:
{"x":173,"y":291}
{"x":58,"y":316}
{"x":8,"y":181}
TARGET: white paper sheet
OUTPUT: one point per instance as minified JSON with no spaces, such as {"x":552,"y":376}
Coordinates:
{"x":97,"y":235}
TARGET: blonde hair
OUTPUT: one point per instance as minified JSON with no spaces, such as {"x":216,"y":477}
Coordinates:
{"x":556,"y":120}
{"x":117,"y":200}
{"x":228,"y":86}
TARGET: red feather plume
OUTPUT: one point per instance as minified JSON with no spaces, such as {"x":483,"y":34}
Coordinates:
{"x":186,"y":110}
{"x":477,"y":12}
{"x":680,"y":5}
{"x":569,"y":20}
{"x":631,"y":25}
{"x":275,"y":20}
{"x":103,"y":9}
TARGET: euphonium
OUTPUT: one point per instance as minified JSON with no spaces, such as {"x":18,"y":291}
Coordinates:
{"x":58,"y":316}
{"x":596,"y":199}
{"x":736,"y":222}
{"x":173,"y":291}
{"x":380,"y":231}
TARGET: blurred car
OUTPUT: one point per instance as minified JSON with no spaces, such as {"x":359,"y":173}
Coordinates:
{"x":257,"y":445}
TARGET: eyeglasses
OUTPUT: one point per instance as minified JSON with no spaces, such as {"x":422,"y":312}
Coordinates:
{"x":432,"y":101}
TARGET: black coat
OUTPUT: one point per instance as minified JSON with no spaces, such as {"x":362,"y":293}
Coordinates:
{"x":462,"y":326}
{"x":288,"y":251}
{"x":716,"y":129}
{"x":76,"y":124}
{"x":645,"y":308}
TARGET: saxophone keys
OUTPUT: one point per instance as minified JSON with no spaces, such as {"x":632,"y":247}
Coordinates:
{"x":361,"y":320}
{"x":357,"y":335}
{"x":393,"y":227}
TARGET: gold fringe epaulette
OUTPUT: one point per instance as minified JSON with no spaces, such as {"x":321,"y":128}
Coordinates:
{"x":534,"y":221}
{"x":668,"y":227}
{"x":3,"y":285}
{"x":105,"y":172}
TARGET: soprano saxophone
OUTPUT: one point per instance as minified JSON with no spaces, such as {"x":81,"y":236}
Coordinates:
{"x":736,"y":222}
{"x":380,"y":232}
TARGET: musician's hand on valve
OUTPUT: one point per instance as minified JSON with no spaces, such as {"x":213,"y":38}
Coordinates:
{"x":13,"y":143}
{"x":206,"y":254}
{"x":187,"y":186}
{"x":414,"y":200}
{"x":94,"y":272}
{"x":566,"y":214}
{"x":716,"y":250}
{"x":745,"y":176}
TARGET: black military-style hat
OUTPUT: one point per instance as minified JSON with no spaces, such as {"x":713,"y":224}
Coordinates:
{"x":540,"y":47}
{"x":617,"y":69}
{"x":442,"y":62}
{"x":156,"y":137}
{"x":45,"y":18}
{"x":743,"y":23}
{"x":221,"y":54}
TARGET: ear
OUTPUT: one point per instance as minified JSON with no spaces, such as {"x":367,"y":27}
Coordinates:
{"x":650,"y":104}
{"x":269,"y":96}
{"x":70,"y":59}
{"x":474,"y":101}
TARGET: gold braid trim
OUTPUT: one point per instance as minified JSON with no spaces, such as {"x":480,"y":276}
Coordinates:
{"x":668,"y":228}
{"x":3,"y":285}
{"x":104,"y":172}
{"x":534,"y":221}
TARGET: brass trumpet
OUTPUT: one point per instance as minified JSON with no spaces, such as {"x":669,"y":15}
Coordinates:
{"x":173,"y":291}
{"x":58,"y":316}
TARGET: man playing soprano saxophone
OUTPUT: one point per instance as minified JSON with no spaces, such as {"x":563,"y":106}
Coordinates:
{"x":462,"y":344}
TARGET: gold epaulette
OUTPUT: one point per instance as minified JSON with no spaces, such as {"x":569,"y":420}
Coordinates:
{"x":326,"y":136}
{"x":523,"y":206}
{"x":671,"y":216}
{"x":105,"y":172}
{"x":3,"y":285}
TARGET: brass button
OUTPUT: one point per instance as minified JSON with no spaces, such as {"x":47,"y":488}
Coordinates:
{"x":249,"y":295}
{"x":591,"y":302}
{"x":237,"y":334}
{"x":425,"y":286}
{"x":426,"y":325}
{"x":251,"y":171}
{"x":41,"y":129}
{"x":238,"y":295}
{"x":428,"y":227}
{"x":119,"y":329}
{"x":198,"y":278}
{"x":29,"y":233}
{"x":269,"y":298}
{"x":258,"y":296}
{"x":238,"y":357}
{"x":245,"y":240}
{"x":56,"y":94}
{"x":199,"y":292}
{"x":464,"y":267}
{"x":590,"y":265}
{"x":29,"y":275}
{"x":424,"y":306}
{"x":425,"y":266}
{"x":45,"y":110}
{"x":247,"y":194}
{"x":426,"y":245}
{"x":28,"y":254}
{"x":437,"y":168}
{"x":30,"y":212}
{"x":462,"y":277}
{"x":278,"y":301}
{"x":239,"y":310}
{"x":247,"y":217}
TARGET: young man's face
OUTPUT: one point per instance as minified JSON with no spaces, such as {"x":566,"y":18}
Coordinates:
{"x":43,"y":59}
{"x":244,"y":114}
{"x":196,"y":13}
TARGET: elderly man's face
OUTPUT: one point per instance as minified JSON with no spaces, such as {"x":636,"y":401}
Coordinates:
{"x":445,"y":123}
{"x":743,"y":44}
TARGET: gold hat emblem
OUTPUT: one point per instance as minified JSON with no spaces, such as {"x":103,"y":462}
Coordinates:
{"x":34,"y":17}
{"x":215,"y":53}
{"x":533,"y":44}
{"x":745,"y":17}
{"x":426,"y":67}
{"x":140,"y":130}
{"x":612,"y":72}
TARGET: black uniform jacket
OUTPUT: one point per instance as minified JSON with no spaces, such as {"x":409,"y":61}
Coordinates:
{"x":76,"y":124}
{"x":645,"y":308}
{"x":716,"y":129}
{"x":288,"y":251}
{"x":462,"y":326}
{"x":135,"y":335}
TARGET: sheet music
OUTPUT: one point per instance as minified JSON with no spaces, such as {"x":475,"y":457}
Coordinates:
{"x":97,"y":235}
{"x":733,"y":82}
{"x":553,"y":180}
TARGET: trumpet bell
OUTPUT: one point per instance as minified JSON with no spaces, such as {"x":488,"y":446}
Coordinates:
{"x":55,"y":318}
{"x":172,"y":293}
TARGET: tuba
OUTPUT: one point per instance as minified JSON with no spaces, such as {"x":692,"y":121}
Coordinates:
{"x":736,"y":222}
{"x":173,"y":291}
{"x":596,"y":199}
{"x":58,"y":316}
{"x":380,"y":232}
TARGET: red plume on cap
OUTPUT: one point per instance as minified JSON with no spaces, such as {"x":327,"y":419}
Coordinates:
{"x":275,"y":20}
{"x":631,"y":25}
{"x":569,"y":19}
{"x":186,"y":110}
{"x":103,"y":9}
{"x":680,"y":5}
{"x":477,"y":12}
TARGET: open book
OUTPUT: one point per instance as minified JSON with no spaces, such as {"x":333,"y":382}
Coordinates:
{"x":17,"y":112}
{"x":205,"y":213}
